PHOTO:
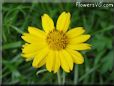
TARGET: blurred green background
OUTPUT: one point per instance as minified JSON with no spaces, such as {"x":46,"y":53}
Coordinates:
{"x":99,"y":62}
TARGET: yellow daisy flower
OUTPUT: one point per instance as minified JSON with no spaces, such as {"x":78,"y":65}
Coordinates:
{"x":55,"y":47}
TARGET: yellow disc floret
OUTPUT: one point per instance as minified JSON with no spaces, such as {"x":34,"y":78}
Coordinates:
{"x":57,"y":40}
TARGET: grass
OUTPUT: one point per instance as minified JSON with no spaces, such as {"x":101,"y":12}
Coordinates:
{"x":98,"y":65}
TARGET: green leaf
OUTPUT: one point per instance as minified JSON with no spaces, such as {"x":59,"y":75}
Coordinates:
{"x":101,"y":42}
{"x":12,"y":45}
{"x":107,"y":62}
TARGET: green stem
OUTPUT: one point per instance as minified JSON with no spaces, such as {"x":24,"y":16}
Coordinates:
{"x":40,"y":71}
{"x":76,"y":75}
{"x":63,"y":78}
{"x":59,"y":77}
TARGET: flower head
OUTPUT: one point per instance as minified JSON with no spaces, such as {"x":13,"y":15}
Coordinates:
{"x":55,"y":47}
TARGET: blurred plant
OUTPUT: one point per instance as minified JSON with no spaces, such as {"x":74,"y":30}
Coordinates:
{"x":98,"y":62}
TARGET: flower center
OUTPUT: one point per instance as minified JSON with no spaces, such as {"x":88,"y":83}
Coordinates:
{"x":57,"y":40}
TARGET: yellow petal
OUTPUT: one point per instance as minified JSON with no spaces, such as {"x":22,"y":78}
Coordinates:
{"x":36,"y":31}
{"x":42,"y":63}
{"x":64,"y":63}
{"x":31,"y":38}
{"x":25,"y":45}
{"x":63,"y":22}
{"x":33,"y":47}
{"x":79,"y":39}
{"x":75,"y":32}
{"x":29,"y":56}
{"x":40,"y":57}
{"x":77,"y":57}
{"x":68,"y":60}
{"x":50,"y":59}
{"x":47,"y":23}
{"x":56,"y":62}
{"x":29,"y":59}
{"x":28,"y":38}
{"x":82,"y":46}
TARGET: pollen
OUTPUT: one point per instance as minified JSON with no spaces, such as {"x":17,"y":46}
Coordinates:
{"x":57,"y":40}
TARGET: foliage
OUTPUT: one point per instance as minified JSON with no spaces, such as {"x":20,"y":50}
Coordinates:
{"x":98,"y":62}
